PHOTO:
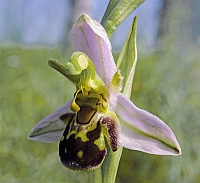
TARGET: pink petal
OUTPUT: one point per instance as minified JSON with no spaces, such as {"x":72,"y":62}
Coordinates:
{"x":143,"y":131}
{"x":90,"y":37}
{"x":51,"y":128}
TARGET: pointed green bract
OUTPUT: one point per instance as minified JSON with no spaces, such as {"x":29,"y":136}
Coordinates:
{"x":128,"y":58}
{"x":117,"y":11}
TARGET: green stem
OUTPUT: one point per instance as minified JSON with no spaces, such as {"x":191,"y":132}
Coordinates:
{"x":95,"y":176}
{"x":111,"y":164}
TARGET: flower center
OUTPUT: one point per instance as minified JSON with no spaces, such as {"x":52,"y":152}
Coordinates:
{"x":88,"y":97}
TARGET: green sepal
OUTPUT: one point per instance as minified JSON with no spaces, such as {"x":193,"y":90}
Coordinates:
{"x":128,"y":58}
{"x":116,"y":12}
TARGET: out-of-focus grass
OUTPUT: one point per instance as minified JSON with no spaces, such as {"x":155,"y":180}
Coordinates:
{"x":30,"y":90}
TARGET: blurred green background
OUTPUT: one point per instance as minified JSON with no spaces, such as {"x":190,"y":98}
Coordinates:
{"x":167,"y":84}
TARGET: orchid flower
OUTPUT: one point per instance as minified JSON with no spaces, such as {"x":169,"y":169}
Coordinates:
{"x":99,"y":110}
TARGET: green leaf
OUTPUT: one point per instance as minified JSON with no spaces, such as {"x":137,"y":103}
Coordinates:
{"x":110,"y":7}
{"x":127,"y":59}
{"x":116,"y":12}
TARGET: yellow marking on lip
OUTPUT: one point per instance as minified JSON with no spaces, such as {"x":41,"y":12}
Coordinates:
{"x":83,"y":136}
{"x":100,"y":143}
{"x":83,"y":133}
{"x":80,"y":154}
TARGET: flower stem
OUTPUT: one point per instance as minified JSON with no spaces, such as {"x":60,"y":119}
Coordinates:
{"x":95,"y":176}
{"x":110,"y":165}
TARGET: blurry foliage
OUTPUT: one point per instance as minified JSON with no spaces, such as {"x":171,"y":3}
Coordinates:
{"x":30,"y":90}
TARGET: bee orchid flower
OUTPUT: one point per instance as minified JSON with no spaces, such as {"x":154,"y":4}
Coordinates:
{"x":99,"y":112}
